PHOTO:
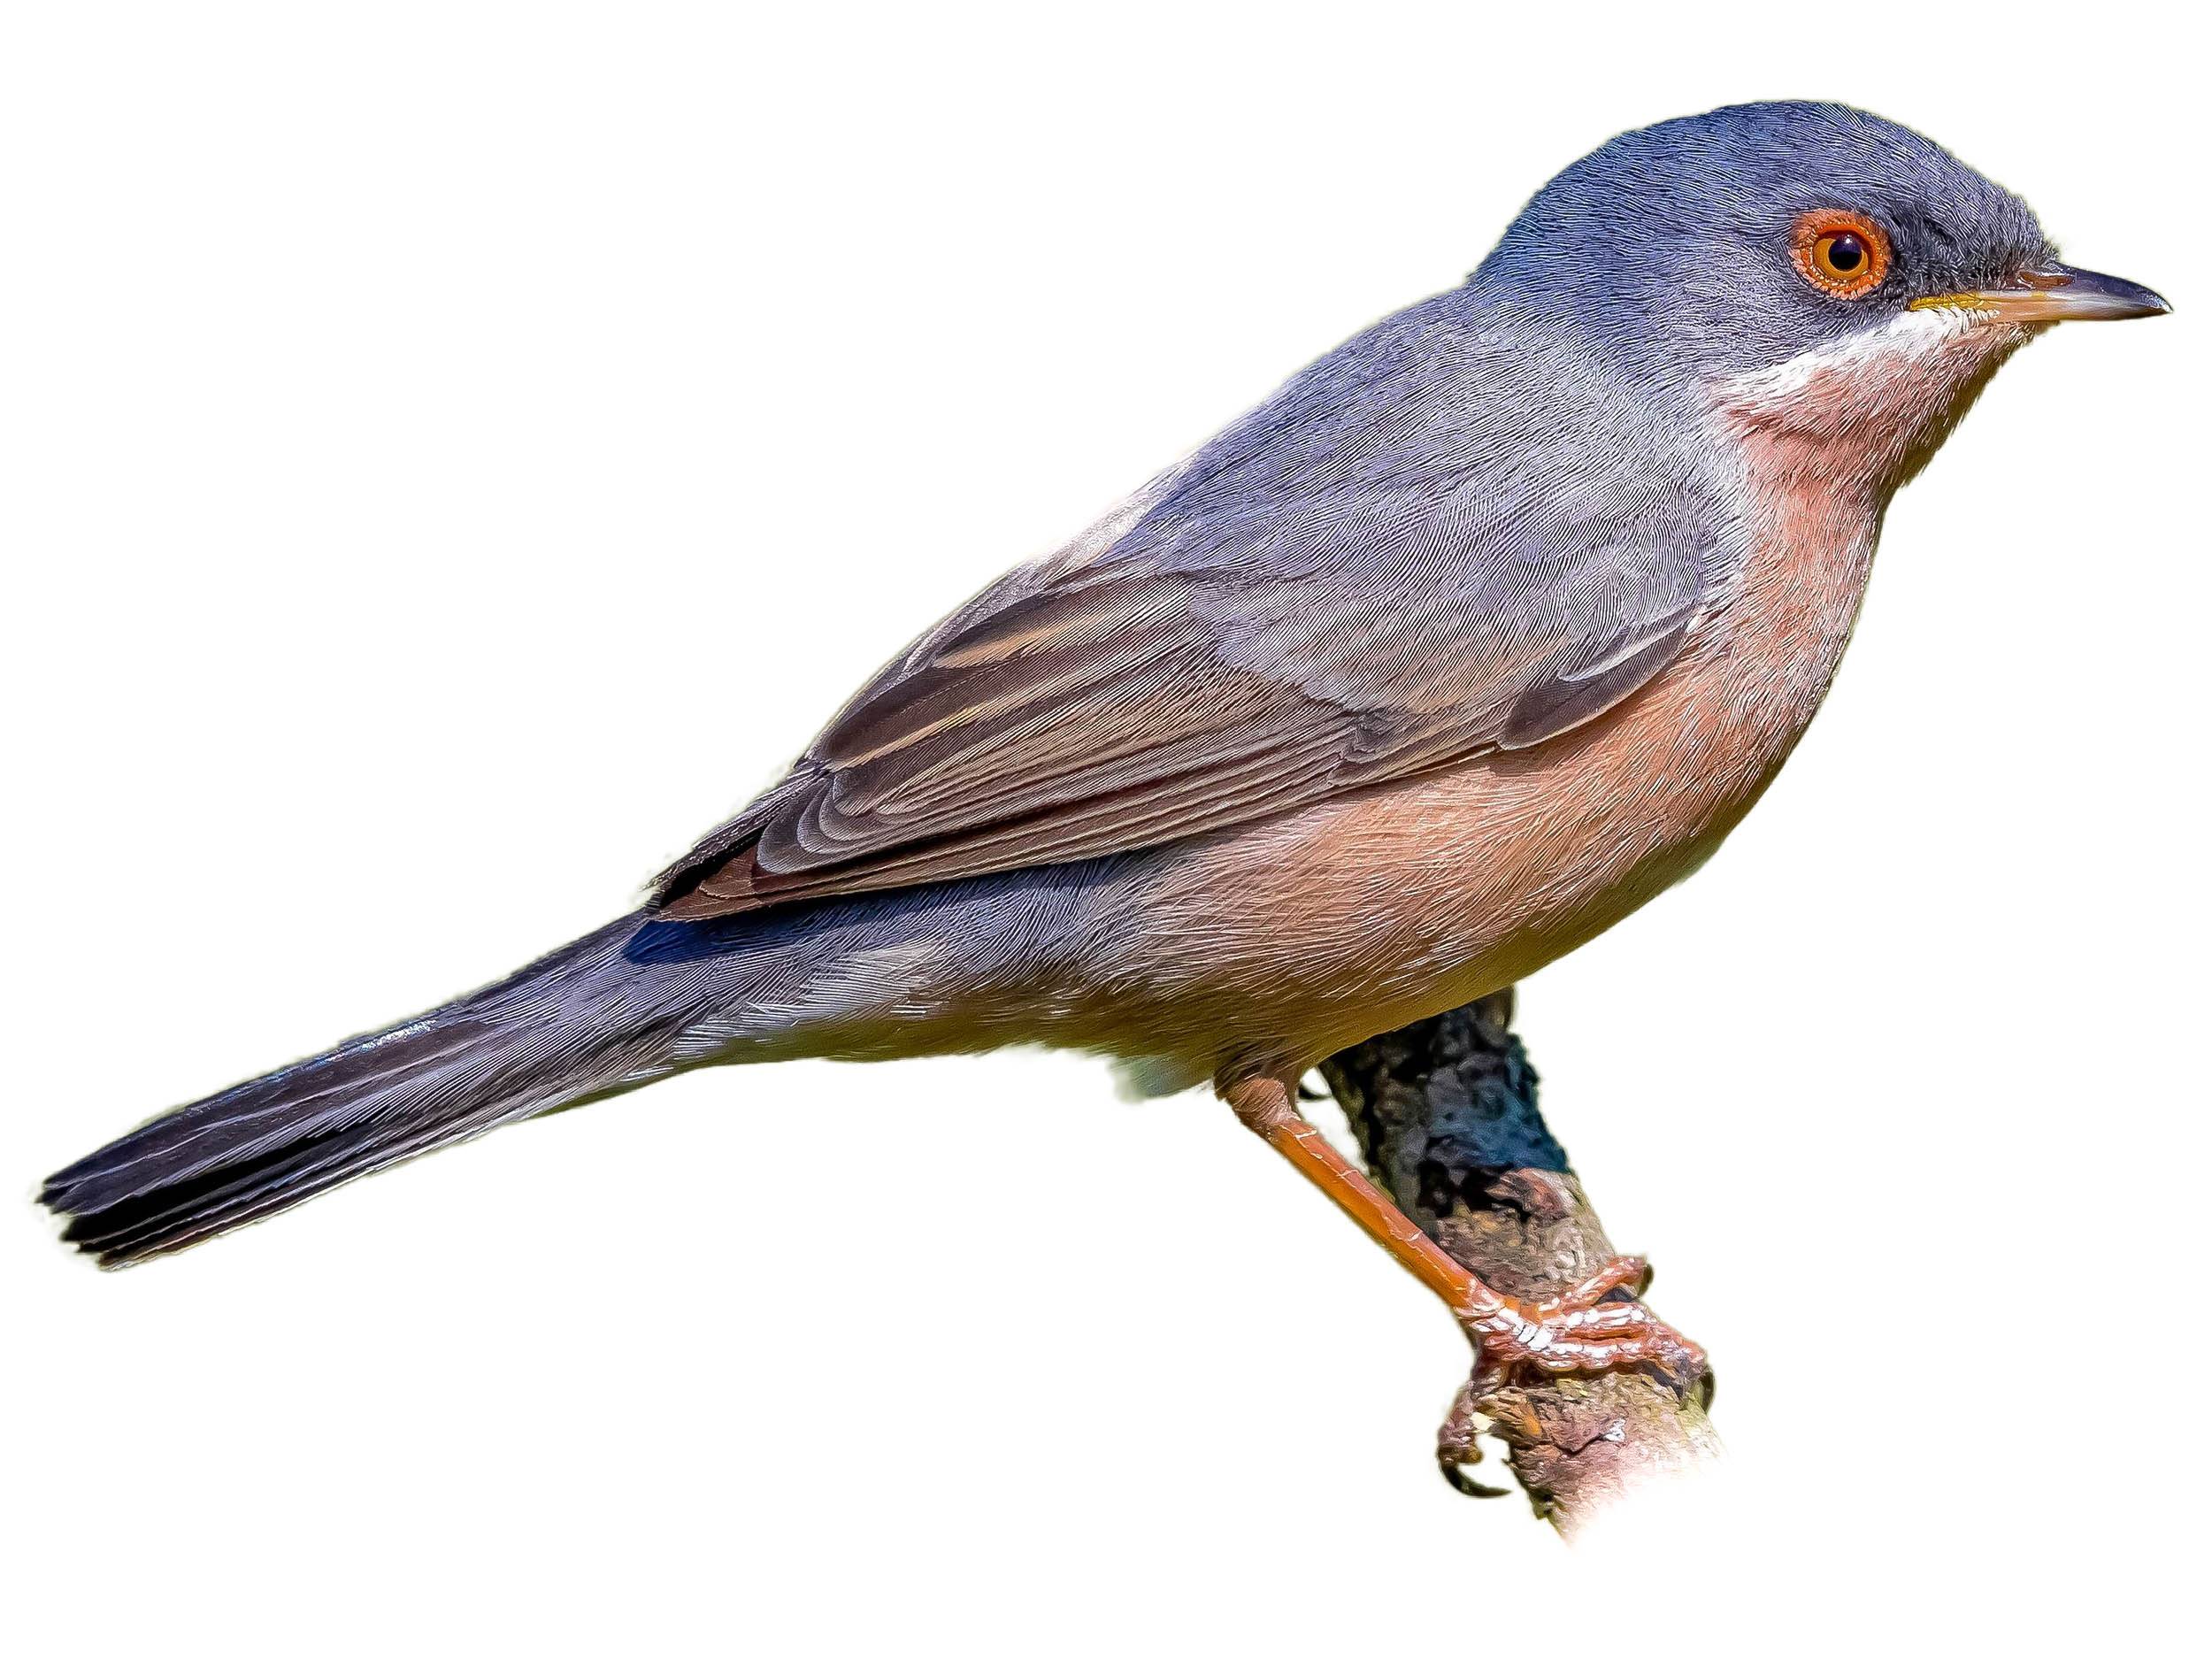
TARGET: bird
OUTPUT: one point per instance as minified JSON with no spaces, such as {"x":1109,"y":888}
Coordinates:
{"x":1480,"y":632}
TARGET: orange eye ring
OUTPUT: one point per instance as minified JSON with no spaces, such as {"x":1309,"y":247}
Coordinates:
{"x":1839,"y":252}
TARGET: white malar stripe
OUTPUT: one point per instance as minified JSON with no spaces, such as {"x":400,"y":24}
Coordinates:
{"x":1907,"y":336}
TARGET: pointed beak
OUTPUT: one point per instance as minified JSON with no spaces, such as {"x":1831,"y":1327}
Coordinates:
{"x":2055,"y":293}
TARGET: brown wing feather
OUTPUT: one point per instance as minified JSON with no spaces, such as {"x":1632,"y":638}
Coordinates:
{"x":1111,"y":709}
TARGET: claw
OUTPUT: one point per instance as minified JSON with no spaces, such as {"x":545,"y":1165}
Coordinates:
{"x":1458,"y":1449}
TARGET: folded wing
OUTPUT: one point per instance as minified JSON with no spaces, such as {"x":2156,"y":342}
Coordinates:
{"x":1211,"y":666}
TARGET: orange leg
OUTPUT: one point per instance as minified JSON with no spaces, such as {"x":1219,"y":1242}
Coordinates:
{"x":1577,"y":1331}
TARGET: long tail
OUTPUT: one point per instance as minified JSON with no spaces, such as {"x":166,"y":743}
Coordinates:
{"x":577,"y":1024}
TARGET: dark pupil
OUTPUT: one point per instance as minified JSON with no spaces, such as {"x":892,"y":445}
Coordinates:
{"x":1845,"y":252}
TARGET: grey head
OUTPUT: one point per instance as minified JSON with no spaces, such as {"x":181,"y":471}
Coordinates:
{"x":1735,"y":240}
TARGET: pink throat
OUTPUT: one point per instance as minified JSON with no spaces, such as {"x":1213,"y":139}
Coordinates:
{"x":1857,"y":419}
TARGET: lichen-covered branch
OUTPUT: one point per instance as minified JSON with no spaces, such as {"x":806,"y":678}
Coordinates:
{"x":1445,"y":1113}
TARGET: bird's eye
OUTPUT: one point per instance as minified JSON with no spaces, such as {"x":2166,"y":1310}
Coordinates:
{"x":1841,"y":253}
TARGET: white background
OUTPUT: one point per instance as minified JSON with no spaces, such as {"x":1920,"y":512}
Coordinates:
{"x":453,"y":455}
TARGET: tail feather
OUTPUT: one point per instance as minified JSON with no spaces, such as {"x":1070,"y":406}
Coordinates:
{"x":561,"y":1030}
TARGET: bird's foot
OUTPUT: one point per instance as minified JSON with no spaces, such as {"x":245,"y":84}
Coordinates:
{"x":1579,"y":1330}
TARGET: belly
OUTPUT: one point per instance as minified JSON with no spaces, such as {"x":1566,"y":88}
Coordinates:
{"x":1273,"y":947}
{"x":1267,"y":948}
{"x":1276,"y":946}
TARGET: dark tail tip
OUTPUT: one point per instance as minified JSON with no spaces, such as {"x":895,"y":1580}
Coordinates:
{"x":565,"y":1028}
{"x":272,"y":1142}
